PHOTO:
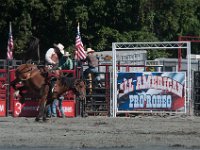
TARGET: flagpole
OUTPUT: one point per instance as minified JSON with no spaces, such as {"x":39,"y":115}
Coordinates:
{"x":8,"y":87}
{"x":10,"y":27}
{"x":79,"y":49}
{"x":76,"y":65}
{"x":75,"y":59}
{"x":9,"y":65}
{"x":10,"y":32}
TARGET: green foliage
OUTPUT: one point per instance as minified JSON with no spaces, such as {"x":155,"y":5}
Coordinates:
{"x":101,"y":22}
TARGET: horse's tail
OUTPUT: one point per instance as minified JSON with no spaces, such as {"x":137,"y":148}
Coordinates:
{"x":33,"y":50}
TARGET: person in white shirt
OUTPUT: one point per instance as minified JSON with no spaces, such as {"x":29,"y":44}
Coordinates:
{"x":53,"y":55}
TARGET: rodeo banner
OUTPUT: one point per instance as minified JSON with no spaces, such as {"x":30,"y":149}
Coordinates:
{"x":151,"y":91}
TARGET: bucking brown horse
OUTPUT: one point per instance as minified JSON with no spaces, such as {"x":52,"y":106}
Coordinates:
{"x":34,"y":80}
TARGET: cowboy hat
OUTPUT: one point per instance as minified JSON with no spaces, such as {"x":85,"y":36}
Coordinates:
{"x":66,"y":54}
{"x":89,"y":50}
{"x":60,"y":47}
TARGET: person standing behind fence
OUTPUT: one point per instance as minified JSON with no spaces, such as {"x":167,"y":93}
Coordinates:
{"x":52,"y":58}
{"x":65,"y":62}
{"x":92,"y":61}
{"x":56,"y":108}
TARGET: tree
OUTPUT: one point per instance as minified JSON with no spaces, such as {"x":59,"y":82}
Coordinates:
{"x":101,"y":22}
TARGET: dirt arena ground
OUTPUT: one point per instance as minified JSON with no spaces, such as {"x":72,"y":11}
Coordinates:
{"x":167,"y":132}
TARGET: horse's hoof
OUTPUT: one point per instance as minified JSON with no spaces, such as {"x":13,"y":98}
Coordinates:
{"x":45,"y":119}
{"x":37,"y":119}
{"x":85,"y":115}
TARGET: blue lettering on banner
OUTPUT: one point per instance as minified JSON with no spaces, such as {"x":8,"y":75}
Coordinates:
{"x":150,"y":101}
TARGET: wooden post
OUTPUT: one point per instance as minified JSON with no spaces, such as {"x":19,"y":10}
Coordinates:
{"x":90,"y":83}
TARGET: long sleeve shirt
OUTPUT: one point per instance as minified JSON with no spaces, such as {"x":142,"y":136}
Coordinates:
{"x":66,"y":63}
{"x":51,"y":57}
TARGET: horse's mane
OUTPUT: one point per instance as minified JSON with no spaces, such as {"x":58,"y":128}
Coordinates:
{"x":69,"y":82}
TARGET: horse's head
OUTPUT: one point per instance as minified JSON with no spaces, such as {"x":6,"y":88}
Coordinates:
{"x":80,"y":88}
{"x":58,"y":88}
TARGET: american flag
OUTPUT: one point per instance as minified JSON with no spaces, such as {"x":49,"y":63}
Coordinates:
{"x":80,"y":53}
{"x":10,"y":46}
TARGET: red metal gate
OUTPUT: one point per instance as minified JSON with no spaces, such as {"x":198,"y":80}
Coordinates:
{"x":3,"y":91}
